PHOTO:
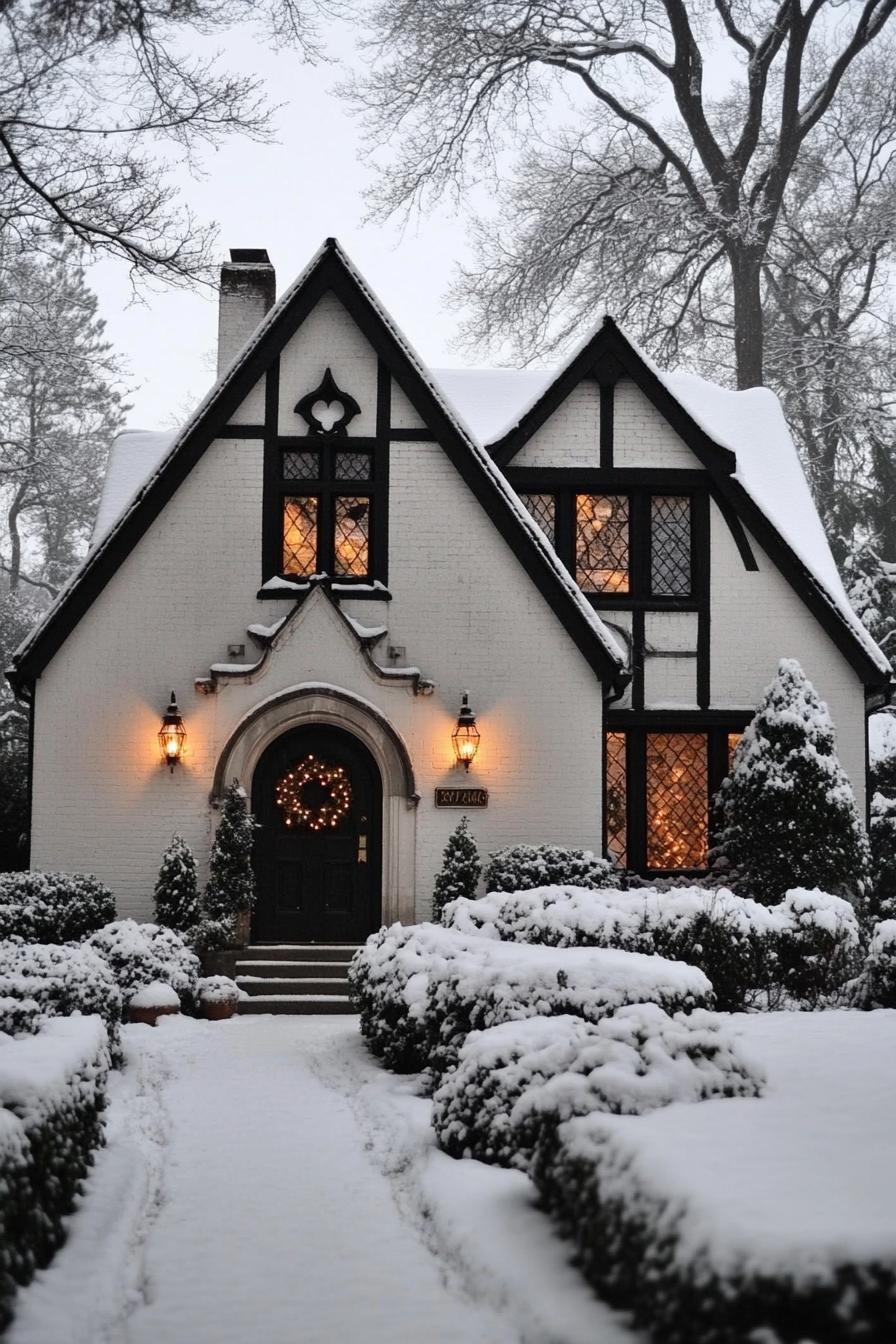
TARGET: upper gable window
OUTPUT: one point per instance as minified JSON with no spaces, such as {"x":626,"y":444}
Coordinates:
{"x":327,"y":501}
{"x":632,"y":544}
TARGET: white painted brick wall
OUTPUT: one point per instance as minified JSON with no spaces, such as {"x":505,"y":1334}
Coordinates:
{"x":641,"y":437}
{"x":571,"y":438}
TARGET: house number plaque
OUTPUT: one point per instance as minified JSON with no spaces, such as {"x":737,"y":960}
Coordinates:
{"x":461,"y":797}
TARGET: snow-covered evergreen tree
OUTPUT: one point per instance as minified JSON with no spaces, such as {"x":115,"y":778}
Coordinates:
{"x":788,"y":812}
{"x":883,"y":856}
{"x":231,"y":880}
{"x":460,"y":870}
{"x":177,"y":891}
{"x":871,"y":585}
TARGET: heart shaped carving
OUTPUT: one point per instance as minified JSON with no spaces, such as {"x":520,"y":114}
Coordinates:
{"x":327,"y":414}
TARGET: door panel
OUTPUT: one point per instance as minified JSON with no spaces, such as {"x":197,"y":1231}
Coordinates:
{"x":317,"y":796}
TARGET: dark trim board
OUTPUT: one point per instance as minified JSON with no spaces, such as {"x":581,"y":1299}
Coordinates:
{"x":329,"y":273}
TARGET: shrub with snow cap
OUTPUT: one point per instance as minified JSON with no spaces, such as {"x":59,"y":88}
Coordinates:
{"x":218,"y":989}
{"x":20,"y":1017}
{"x":53,"y":907}
{"x":459,"y":874}
{"x":882,"y":835}
{"x":820,"y":948}
{"x":875,"y":986}
{"x":231,"y":879}
{"x":522,"y":867}
{"x":140,"y":954}
{"x":62,"y":980}
{"x":515,"y":1079}
{"x":789,"y":817}
{"x":177,"y":891}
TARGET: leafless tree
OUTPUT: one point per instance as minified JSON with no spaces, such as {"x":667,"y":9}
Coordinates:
{"x":660,"y":187}
{"x":90,"y":92}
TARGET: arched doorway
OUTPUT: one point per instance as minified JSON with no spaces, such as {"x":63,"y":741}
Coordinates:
{"x":317,"y":795}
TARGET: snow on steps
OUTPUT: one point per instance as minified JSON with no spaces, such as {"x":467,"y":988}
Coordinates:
{"x":295,"y":977}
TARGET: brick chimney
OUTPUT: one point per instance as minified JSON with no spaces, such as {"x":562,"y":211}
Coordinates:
{"x":248,"y":290}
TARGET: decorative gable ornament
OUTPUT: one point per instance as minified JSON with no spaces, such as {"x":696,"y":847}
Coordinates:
{"x":327,"y":410}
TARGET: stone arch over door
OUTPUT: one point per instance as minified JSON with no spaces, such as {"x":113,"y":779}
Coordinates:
{"x":329,"y":705}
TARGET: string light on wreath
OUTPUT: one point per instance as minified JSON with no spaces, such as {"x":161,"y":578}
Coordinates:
{"x":314,"y":794}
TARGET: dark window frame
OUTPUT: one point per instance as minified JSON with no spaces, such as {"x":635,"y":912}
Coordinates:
{"x":639,"y":495}
{"x":636,"y":728}
{"x":325,"y":487}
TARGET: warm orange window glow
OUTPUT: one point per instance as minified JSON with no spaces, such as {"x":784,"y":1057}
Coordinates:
{"x":602,"y":564}
{"x":616,"y":798}
{"x":677,"y":800}
{"x":351,"y":536}
{"x":300,"y":536}
{"x":733,"y":739}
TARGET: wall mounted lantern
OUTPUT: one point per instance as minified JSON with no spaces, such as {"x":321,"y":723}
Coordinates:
{"x":172,"y":735}
{"x":465,"y":738}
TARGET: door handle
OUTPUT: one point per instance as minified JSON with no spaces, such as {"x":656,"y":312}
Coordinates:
{"x":362,"y":849}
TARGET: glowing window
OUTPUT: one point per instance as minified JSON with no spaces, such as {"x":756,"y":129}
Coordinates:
{"x":733,"y":740}
{"x":677,"y":800}
{"x":602,"y":546}
{"x":300,"y":536}
{"x":616,"y":798}
{"x":351,"y":536}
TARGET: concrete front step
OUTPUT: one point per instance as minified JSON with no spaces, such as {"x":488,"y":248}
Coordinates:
{"x":265,"y":986}
{"x":297,"y":1003}
{"x":298,"y":952}
{"x":291,"y":970}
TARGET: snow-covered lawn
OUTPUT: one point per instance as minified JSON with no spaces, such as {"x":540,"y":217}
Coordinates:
{"x":265,"y":1179}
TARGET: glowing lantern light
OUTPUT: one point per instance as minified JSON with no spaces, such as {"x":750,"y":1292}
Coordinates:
{"x":172,"y":735}
{"x":465,"y":738}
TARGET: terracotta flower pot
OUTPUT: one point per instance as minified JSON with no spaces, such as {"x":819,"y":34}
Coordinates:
{"x":149,"y":1016}
{"x":217,"y":1011}
{"x":241,"y":928}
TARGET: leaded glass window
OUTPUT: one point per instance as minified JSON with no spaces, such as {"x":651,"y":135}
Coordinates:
{"x":300,"y":466}
{"x":300,"y":536}
{"x":353,"y":466}
{"x":616,"y":798}
{"x":543,"y":509}
{"x":351,"y":536}
{"x":670,"y":550}
{"x":733,"y":740}
{"x":602,"y":543}
{"x":677,"y":800}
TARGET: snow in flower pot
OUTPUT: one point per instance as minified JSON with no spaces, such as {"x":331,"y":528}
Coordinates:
{"x":218,"y":997}
{"x":152,"y":1002}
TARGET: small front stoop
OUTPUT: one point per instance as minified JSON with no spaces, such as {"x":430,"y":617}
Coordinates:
{"x":295,"y":977}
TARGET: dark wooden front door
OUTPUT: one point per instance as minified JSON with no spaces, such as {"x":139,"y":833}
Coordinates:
{"x":317,"y":795}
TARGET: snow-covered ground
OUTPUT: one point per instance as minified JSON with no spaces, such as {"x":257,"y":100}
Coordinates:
{"x":265,"y":1179}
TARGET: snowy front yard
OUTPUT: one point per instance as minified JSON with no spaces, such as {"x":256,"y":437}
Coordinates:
{"x":264,"y":1178}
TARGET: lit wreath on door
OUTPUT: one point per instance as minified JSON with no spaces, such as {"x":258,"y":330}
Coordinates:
{"x":314,"y":794}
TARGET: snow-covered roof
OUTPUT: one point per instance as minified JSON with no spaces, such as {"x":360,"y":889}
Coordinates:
{"x":133,"y":458}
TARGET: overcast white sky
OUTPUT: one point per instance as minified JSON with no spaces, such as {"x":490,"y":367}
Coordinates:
{"x":286,"y":197}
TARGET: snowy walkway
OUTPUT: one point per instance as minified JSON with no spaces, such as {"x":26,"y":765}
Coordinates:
{"x":264,"y":1179}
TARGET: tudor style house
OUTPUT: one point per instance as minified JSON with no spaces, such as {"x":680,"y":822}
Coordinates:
{"x":342,"y":544}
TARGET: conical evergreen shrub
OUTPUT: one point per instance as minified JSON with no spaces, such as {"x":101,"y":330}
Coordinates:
{"x":789,"y":817}
{"x":231,"y":880}
{"x":177,"y":891}
{"x":883,"y":857}
{"x":460,"y":871}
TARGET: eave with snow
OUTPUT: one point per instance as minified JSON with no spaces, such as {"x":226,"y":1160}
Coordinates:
{"x":340,"y":542}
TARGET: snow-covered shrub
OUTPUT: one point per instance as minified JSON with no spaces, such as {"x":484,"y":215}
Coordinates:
{"x":789,"y":817}
{"x":231,"y":877}
{"x":658,"y":1246}
{"x":62,"y":980}
{"x":730,"y":938}
{"x":882,"y":835}
{"x":210,"y":935}
{"x":820,"y":947}
{"x":218,"y":989}
{"x":388,"y":979}
{"x":177,"y":892}
{"x":522,"y":867}
{"x":875,"y":986}
{"x":140,"y":954}
{"x":52,"y":1095}
{"x":513,"y":981}
{"x":516,"y":1078}
{"x":53,"y":907}
{"x":20,"y":1017}
{"x":459,"y":874}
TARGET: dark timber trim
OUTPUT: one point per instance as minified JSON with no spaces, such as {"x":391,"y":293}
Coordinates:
{"x":609,"y":356}
{"x":242,"y":432}
{"x":607,"y":395}
{"x":329,"y":273}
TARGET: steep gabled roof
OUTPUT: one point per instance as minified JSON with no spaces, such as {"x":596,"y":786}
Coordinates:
{"x":329,"y":271}
{"x":742,"y":440}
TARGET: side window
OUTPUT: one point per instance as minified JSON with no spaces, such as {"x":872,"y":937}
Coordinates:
{"x":326,"y":505}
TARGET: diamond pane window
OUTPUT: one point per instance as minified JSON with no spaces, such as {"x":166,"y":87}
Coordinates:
{"x":733,"y":739}
{"x":602,"y":543}
{"x":300,"y":536}
{"x":616,"y":798}
{"x":543,"y":509}
{"x":670,"y":552}
{"x":300,"y":466}
{"x":677,"y":800}
{"x":353,"y":466}
{"x":351,"y":536}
